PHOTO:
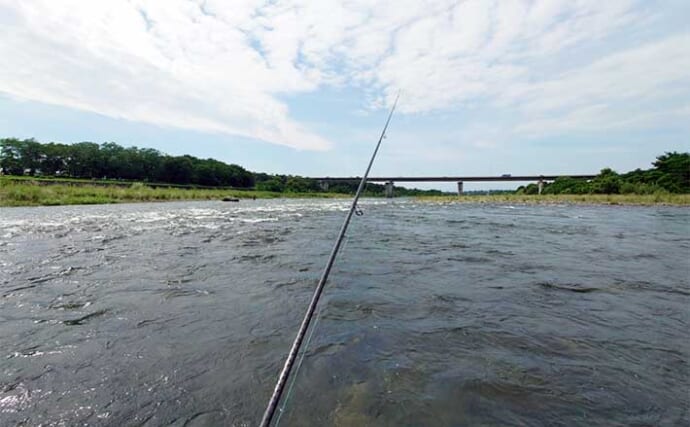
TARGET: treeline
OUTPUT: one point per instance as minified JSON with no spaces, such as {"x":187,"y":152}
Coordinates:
{"x":88,"y":160}
{"x":112,"y":161}
{"x":670,"y":174}
{"x":298,"y":184}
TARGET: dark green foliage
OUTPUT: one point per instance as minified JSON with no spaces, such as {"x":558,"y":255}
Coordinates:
{"x":675,"y":168}
{"x":271,"y":183}
{"x":607,"y":182}
{"x":83,"y":160}
{"x":671,"y":174}
{"x":297,"y":184}
{"x":177,"y":170}
{"x":11,"y":156}
{"x":111,"y":161}
{"x":407,"y":192}
{"x":530,"y":189}
{"x":567,"y":185}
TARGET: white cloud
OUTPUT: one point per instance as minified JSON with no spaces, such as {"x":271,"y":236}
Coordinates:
{"x":227,"y":67}
{"x":168,"y":64}
{"x":608,"y":93}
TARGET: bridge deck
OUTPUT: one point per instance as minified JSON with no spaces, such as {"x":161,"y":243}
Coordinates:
{"x":454,"y":178}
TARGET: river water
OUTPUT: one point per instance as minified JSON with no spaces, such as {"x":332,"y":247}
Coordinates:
{"x":436,"y":314}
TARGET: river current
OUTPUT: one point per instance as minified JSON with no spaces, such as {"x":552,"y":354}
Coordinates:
{"x":181,"y":314}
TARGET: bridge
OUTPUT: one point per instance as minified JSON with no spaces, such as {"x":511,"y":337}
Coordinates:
{"x":540,"y":179}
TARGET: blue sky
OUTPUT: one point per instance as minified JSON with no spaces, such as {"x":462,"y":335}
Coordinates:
{"x":302,"y":87}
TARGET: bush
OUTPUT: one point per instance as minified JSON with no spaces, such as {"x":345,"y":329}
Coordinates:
{"x":531,"y":189}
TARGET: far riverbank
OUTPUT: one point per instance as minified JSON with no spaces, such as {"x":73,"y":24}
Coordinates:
{"x":31,"y":194}
{"x":589,"y":199}
{"x":13,"y":193}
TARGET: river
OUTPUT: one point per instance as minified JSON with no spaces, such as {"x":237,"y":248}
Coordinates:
{"x":436,"y":314}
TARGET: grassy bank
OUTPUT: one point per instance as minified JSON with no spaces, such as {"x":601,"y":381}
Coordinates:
{"x":13,"y":193}
{"x":48,"y":180}
{"x":31,"y":193}
{"x":592,"y":199}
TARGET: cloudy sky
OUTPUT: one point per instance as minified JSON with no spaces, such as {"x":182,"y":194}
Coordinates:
{"x":302,"y":87}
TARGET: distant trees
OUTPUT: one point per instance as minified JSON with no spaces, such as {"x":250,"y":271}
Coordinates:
{"x":607,"y":182}
{"x":674,"y":169}
{"x":11,"y":157}
{"x":671,"y":173}
{"x":110,"y":160}
{"x":286,"y":184}
{"x":298,"y":184}
{"x":20,"y":156}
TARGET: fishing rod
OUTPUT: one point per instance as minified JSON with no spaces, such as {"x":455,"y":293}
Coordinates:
{"x":292,"y":355}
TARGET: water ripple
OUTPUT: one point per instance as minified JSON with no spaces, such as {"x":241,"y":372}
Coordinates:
{"x":435,"y":314}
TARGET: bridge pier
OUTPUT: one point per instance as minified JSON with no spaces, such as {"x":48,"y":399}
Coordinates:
{"x":460,"y":183}
{"x":389,"y":189}
{"x":323,"y":185}
{"x":540,"y":185}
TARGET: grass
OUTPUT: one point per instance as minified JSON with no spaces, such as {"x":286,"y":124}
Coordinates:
{"x":100,"y":182}
{"x":14,"y":193}
{"x":31,"y":193}
{"x":591,"y":199}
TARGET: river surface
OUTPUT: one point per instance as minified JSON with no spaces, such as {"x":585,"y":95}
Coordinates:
{"x":436,"y":314}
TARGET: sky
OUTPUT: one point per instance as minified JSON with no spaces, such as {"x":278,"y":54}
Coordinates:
{"x":303,"y":87}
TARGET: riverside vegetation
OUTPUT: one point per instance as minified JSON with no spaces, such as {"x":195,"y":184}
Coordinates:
{"x":32,"y":193}
{"x":668,"y":182}
{"x":87,"y":173}
{"x":660,"y":198}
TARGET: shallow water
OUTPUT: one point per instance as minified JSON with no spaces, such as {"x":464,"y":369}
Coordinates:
{"x":436,"y":314}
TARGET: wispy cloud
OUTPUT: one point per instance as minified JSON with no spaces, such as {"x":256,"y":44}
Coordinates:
{"x":170,"y":64}
{"x":229,"y":67}
{"x":625,"y":89}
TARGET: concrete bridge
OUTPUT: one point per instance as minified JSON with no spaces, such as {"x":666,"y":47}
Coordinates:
{"x":539,"y":179}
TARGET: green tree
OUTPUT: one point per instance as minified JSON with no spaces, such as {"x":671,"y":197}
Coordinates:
{"x":675,"y":171}
{"x":275,"y":184}
{"x":10,"y":156}
{"x":20,"y":156}
{"x":298,"y":184}
{"x":607,"y":182}
{"x":531,"y":189}
{"x":54,"y":158}
{"x":83,"y":160}
{"x":177,"y":170}
{"x":151,"y":163}
{"x":567,"y":185}
{"x":31,"y":156}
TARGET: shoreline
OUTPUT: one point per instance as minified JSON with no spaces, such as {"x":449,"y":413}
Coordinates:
{"x":27,"y":194}
{"x":14,"y":194}
{"x":664,"y":199}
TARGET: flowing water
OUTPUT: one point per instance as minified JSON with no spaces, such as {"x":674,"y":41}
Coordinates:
{"x":436,"y":314}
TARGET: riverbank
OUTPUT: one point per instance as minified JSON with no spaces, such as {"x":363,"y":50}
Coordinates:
{"x":14,"y":193}
{"x":32,"y":193}
{"x":588,"y":199}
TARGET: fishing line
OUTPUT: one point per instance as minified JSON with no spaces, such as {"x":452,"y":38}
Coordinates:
{"x":288,"y":394}
{"x":297,"y":343}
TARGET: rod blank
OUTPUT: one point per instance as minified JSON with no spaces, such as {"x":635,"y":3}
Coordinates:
{"x":294,"y":350}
